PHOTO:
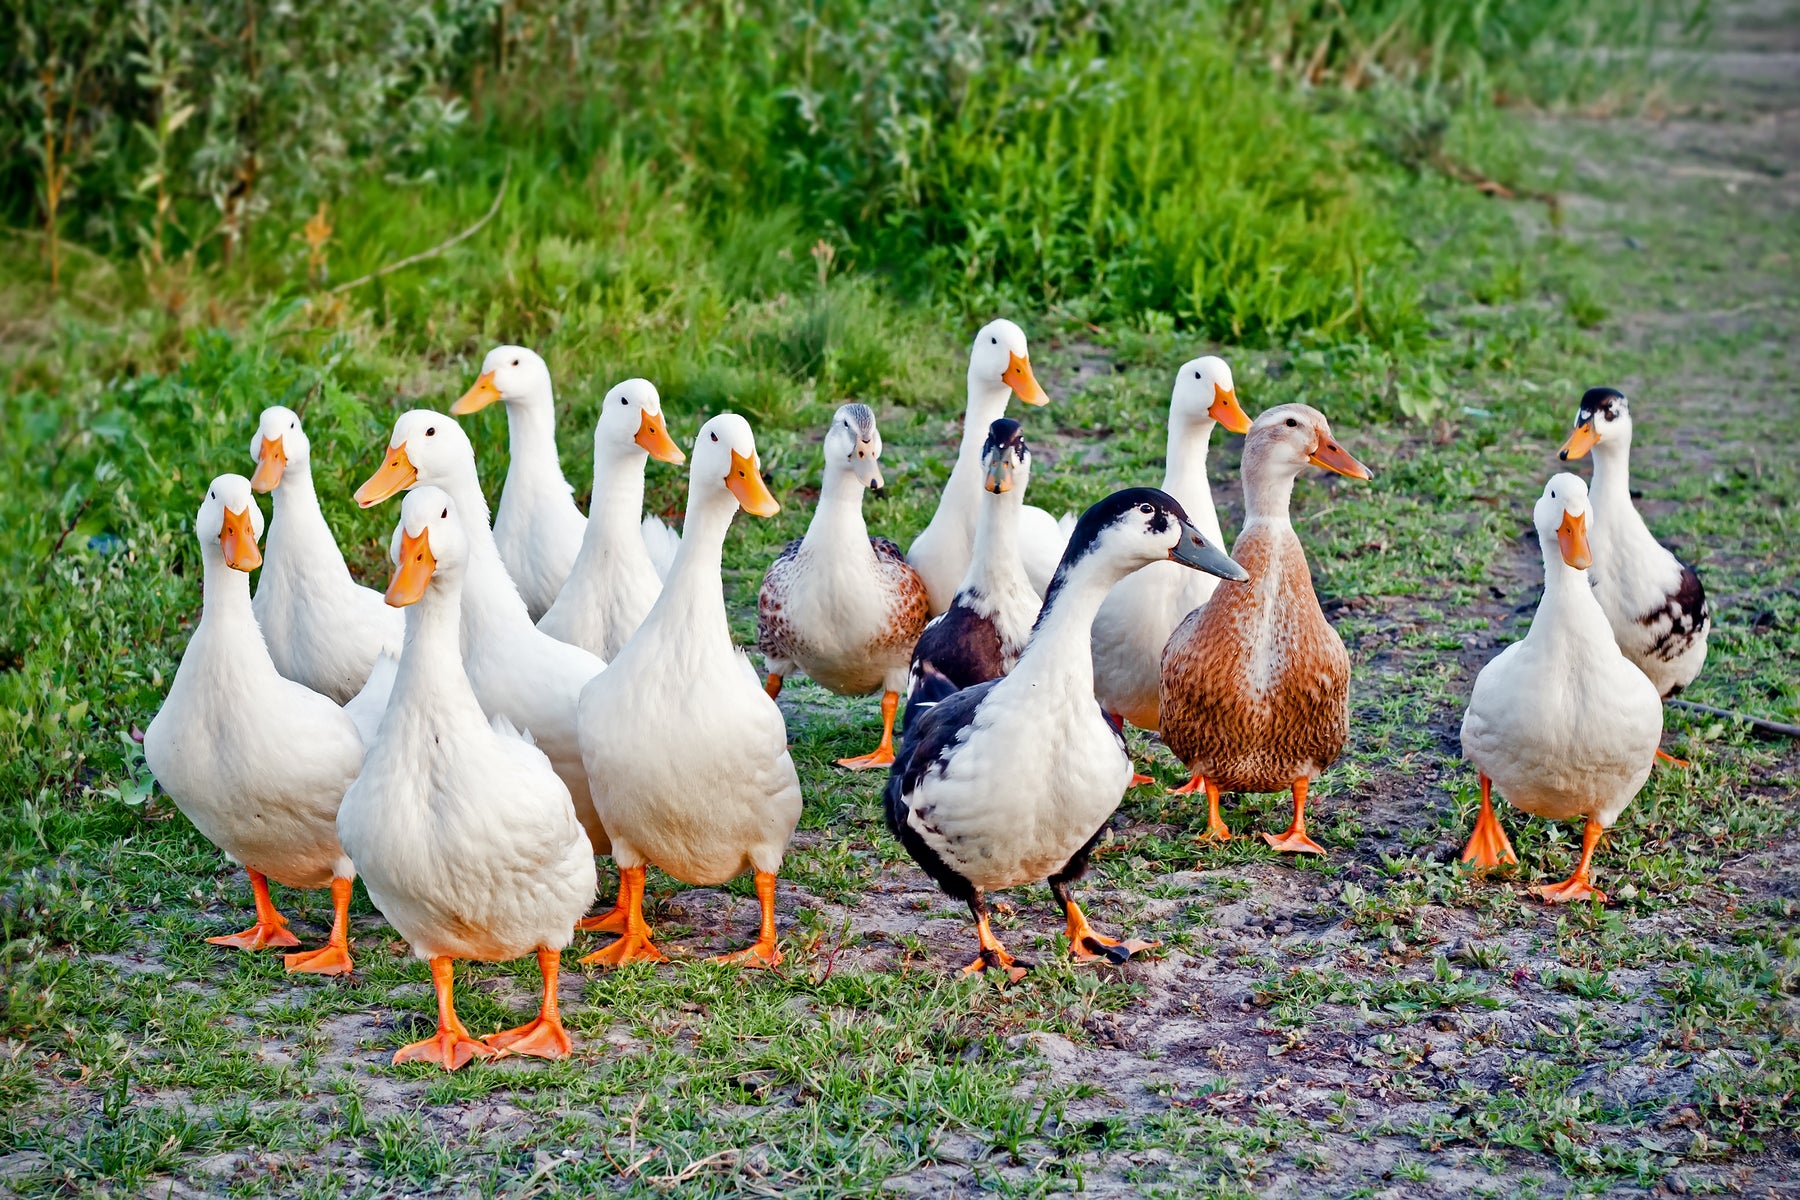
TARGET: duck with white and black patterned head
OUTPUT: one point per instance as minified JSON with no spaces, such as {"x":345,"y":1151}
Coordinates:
{"x":980,"y":636}
{"x":1012,"y":781}
{"x":1652,"y":600}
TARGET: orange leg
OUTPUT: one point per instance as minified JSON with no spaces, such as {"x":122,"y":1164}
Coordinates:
{"x":1488,"y":845}
{"x":1580,"y":885}
{"x":1084,"y":944}
{"x":1664,"y":756}
{"x":883,"y":754}
{"x":1194,"y":784}
{"x":610,"y":921}
{"x":545,"y":1036}
{"x":1294,"y":840}
{"x":772,"y":685}
{"x":270,"y":928}
{"x":993,"y":954}
{"x":451,"y":1046}
{"x":765,"y":953}
{"x":1216,"y":829}
{"x":634,"y":945}
{"x":333,"y":958}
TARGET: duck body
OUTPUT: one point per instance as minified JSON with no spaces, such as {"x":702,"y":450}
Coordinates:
{"x":998,"y":369}
{"x":538,"y":529}
{"x":322,"y":628}
{"x":1011,"y":781}
{"x":1144,"y":608}
{"x":614,"y":580}
{"x":688,"y":755}
{"x":1653,"y":601}
{"x":1256,"y":682}
{"x":983,"y":632}
{"x":258,"y":762}
{"x":1561,"y":722}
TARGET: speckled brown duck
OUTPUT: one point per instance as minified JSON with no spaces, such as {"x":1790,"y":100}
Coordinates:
{"x":1256,"y":683}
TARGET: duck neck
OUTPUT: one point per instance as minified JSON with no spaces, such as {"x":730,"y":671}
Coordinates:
{"x":837,"y":522}
{"x":1569,"y":605}
{"x":487,"y":589}
{"x":1268,"y":490}
{"x":225,"y":597}
{"x":298,"y":526}
{"x":431,"y":675}
{"x":987,"y":404}
{"x":618,"y":503}
{"x":1611,"y":487}
{"x":1184,"y":476}
{"x":1057,"y":653}
{"x":693,"y":595}
{"x":994,"y":565}
{"x":531,"y":442}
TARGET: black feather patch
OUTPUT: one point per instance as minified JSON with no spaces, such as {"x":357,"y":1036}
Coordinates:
{"x":930,"y":742}
{"x":1687,"y":615}
{"x":1095,"y":521}
{"x":1598,"y":402}
{"x":962,"y":645}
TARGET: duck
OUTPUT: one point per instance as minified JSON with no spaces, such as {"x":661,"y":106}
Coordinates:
{"x":1140,"y":613}
{"x":616,"y":577}
{"x":538,"y":529}
{"x":517,"y":670}
{"x":1256,"y":682}
{"x":1013,"y":780}
{"x":323,"y":628}
{"x":999,"y":367}
{"x":1561,"y":722}
{"x":983,"y":632}
{"x":687,"y":752}
{"x":840,"y":605}
{"x":466,"y":836}
{"x":258,"y":762}
{"x":1653,"y":601}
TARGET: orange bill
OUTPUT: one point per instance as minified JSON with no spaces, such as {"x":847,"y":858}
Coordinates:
{"x":414,"y":569}
{"x":746,"y":483}
{"x":396,"y":474}
{"x":1580,"y":442}
{"x":1024,"y":384}
{"x":271,"y":461}
{"x":1571,"y":538}
{"x":1227,"y":412}
{"x":481,"y":394}
{"x":654,"y":437}
{"x":1334,"y":457}
{"x":238,"y":539}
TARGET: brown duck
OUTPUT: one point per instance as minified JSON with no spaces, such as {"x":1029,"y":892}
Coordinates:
{"x":1256,"y":683}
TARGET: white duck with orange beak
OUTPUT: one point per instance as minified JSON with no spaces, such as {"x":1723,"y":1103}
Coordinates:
{"x":999,"y":368}
{"x":467,"y":838}
{"x":1561,"y":723}
{"x":323,"y":628}
{"x":256,"y":761}
{"x":687,"y":754}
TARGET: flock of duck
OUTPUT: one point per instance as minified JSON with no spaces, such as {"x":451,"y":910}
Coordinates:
{"x":541,"y":688}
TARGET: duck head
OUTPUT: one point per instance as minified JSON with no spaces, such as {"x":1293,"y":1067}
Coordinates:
{"x":230,"y":519}
{"x":510,"y":373}
{"x":1603,"y":417}
{"x":425,"y":447}
{"x":1134,"y":528}
{"x":279,"y":443}
{"x":725,"y":459}
{"x":853,"y":444}
{"x":1295,"y":435}
{"x":999,"y":358}
{"x":1561,"y":517}
{"x":631,"y":416}
{"x":1005,"y":458}
{"x":428,"y":544}
{"x":1204,"y":393}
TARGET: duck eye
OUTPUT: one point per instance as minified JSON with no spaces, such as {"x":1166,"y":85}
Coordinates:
{"x":515,"y":362}
{"x":715,"y":437}
{"x":293,"y":424}
{"x":431,"y":432}
{"x":1196,"y":374}
{"x":622,"y":400}
{"x":445,"y":514}
{"x":1146,"y":509}
{"x":1293,"y":424}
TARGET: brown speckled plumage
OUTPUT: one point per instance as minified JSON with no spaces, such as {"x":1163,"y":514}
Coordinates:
{"x":781,"y":638}
{"x":1256,"y":683}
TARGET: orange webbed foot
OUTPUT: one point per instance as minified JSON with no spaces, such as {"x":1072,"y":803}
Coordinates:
{"x":1570,"y":890}
{"x":630,"y":948}
{"x":538,"y":1038}
{"x":259,"y":936}
{"x":762,"y":954}
{"x":1488,"y":845}
{"x":329,"y":959}
{"x":1141,"y":780}
{"x":997,"y":960}
{"x":611,"y":921}
{"x":1189,"y":788}
{"x":1216,"y":831}
{"x":1293,"y":841}
{"x":449,"y":1048}
{"x":1093,"y":947}
{"x":881,"y":756}
{"x":1664,"y":756}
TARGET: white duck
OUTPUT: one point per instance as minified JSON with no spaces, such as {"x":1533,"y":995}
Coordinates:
{"x":467,"y":840}
{"x":256,"y":761}
{"x":688,"y":755}
{"x":1561,"y":722}
{"x":838,"y":604}
{"x":538,"y":528}
{"x":1134,"y":624}
{"x":323,"y":628}
{"x":1012,"y":781}
{"x":999,"y":367}
{"x":615,"y":580}
{"x":518,"y":671}
{"x":1652,"y":599}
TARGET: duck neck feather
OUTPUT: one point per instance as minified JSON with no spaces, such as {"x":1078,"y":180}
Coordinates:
{"x":431,"y":675}
{"x":837,"y":521}
{"x":987,"y":404}
{"x":995,"y":563}
{"x":488,"y":591}
{"x":618,"y":501}
{"x":1184,"y":476}
{"x":1058,"y":649}
{"x":225,"y":598}
{"x":693,"y":595}
{"x":1612,"y":475}
{"x":1268,"y":488}
{"x":297,"y":528}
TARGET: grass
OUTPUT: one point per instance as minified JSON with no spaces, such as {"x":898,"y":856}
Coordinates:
{"x":1375,"y":1020}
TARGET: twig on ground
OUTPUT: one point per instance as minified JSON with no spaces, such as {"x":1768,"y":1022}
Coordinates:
{"x":421,"y":256}
{"x":70,"y":527}
{"x":1775,"y":727}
